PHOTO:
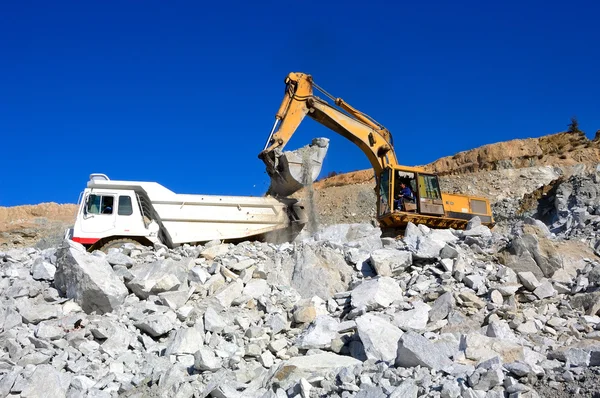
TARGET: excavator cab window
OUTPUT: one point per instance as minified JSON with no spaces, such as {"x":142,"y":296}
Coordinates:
{"x":429,"y":187}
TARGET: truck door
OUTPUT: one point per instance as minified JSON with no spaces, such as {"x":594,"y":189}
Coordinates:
{"x":99,"y":213}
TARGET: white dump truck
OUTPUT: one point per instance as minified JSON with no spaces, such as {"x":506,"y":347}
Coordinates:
{"x":114,"y":212}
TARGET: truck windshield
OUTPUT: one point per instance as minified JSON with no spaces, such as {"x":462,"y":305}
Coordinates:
{"x":99,"y":204}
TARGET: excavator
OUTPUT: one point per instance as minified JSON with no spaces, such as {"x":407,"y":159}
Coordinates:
{"x":288,"y":170}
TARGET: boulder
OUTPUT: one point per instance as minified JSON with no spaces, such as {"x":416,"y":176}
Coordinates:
{"x":388,"y":262}
{"x":205,"y":359}
{"x":159,"y":276}
{"x":42,"y":270}
{"x":441,"y":307}
{"x":288,"y":373}
{"x":46,"y":381}
{"x":416,"y":350}
{"x":319,"y":334}
{"x":415,"y":319}
{"x":317,"y":270}
{"x":88,"y":280}
{"x":185,"y":341}
{"x":157,"y":324}
{"x":379,"y":337}
{"x":378,"y":292}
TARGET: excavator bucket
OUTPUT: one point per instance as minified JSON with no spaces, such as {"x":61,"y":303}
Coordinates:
{"x":292,"y":170}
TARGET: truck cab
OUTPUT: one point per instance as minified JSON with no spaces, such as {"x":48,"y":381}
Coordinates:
{"x":111,"y":212}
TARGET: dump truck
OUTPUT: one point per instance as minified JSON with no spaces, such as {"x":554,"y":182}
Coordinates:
{"x":430,"y":206}
{"x":113,"y":212}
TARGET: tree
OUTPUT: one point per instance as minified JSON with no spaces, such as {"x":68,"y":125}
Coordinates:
{"x":574,"y":125}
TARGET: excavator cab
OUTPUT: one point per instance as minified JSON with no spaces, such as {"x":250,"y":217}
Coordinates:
{"x":425,"y":188}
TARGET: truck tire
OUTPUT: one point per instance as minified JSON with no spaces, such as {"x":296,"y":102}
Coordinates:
{"x":117,"y":243}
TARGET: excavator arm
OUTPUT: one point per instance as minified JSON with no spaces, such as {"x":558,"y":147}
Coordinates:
{"x":299,"y":100}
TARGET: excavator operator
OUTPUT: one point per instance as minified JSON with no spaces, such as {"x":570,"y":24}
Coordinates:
{"x":405,"y":196}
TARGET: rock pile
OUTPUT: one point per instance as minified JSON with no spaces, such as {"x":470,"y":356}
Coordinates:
{"x":345,"y":312}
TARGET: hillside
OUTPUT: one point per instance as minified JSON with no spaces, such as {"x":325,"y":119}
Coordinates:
{"x":32,"y":224}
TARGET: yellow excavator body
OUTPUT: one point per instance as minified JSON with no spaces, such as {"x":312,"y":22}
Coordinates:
{"x":423,"y":201}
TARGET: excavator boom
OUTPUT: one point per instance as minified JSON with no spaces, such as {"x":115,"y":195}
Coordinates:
{"x":371,"y":137}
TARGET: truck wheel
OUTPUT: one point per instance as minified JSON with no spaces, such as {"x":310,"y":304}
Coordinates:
{"x":117,"y":243}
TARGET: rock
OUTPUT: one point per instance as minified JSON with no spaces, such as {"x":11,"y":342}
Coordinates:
{"x":305,"y":311}
{"x":427,"y":248}
{"x":471,"y":298}
{"x":256,"y":288}
{"x":47,"y":382}
{"x":266,"y":359}
{"x":388,"y":262}
{"x":496,"y":297}
{"x":544,"y":290}
{"x":49,"y":331}
{"x":370,"y":391}
{"x":215,"y":251}
{"x":519,"y":369}
{"x":115,"y":337}
{"x":228,"y":294}
{"x":406,"y":389}
{"x":474,"y":222}
{"x":589,"y":301}
{"x":450,"y":389}
{"x":527,"y":327}
{"x":500,"y":329}
{"x":289,"y":373}
{"x":318,"y":271}
{"x":528,"y":280}
{"x":441,"y":307}
{"x":416,"y":350}
{"x":448,"y":252}
{"x":159,"y":276}
{"x":480,"y":348}
{"x":185,"y":341}
{"x":87,"y":279}
{"x":447,"y":264}
{"x":213,"y":322}
{"x":379,"y":292}
{"x":305,"y":388}
{"x":42,"y":270}
{"x":489,"y":379}
{"x":157,"y":324}
{"x":175,"y":299}
{"x":481,"y":231}
{"x":35,"y":313}
{"x":379,"y":337}
{"x":115,"y":257}
{"x":415,"y":319}
{"x":474,"y":281}
{"x":319,"y":334}
{"x":205,"y":359}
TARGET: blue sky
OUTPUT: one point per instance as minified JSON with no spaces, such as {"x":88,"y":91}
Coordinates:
{"x":184,"y":93}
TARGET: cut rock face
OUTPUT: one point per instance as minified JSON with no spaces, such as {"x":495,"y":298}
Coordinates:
{"x":89,"y":280}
